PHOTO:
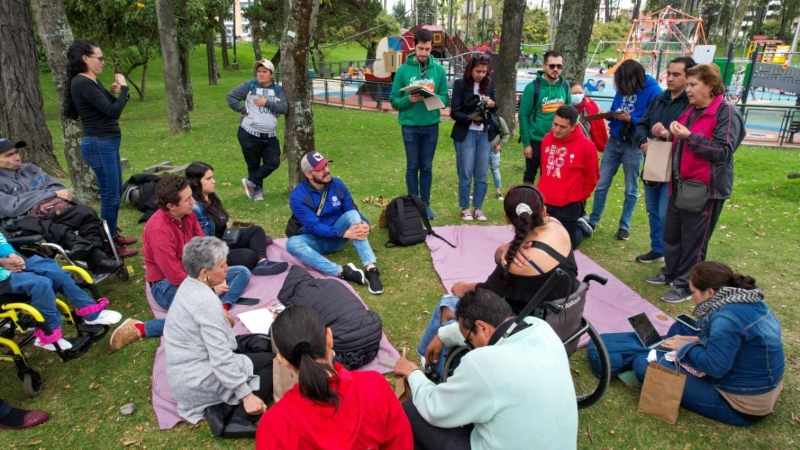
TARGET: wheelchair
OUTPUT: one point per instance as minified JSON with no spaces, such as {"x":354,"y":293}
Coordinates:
{"x":18,"y":319}
{"x":566,"y":317}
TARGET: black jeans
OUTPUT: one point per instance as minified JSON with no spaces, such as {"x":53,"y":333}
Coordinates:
{"x":686,"y":237}
{"x":533,"y":163}
{"x":249,"y":249}
{"x":261,"y":154}
{"x":262,"y":366}
{"x":568,"y":215}
{"x":427,"y":436}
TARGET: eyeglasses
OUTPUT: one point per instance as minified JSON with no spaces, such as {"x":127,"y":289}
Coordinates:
{"x":468,"y":338}
{"x":99,"y":58}
{"x":555,"y":66}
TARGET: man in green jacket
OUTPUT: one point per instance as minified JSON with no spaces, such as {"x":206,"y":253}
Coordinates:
{"x":537,"y":109}
{"x":420,"y":126}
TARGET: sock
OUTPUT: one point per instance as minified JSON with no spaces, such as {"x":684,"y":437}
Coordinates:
{"x":226,"y":306}
{"x":140,"y":327}
{"x":15,"y":418}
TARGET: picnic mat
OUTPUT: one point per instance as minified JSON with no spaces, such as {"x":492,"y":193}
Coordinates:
{"x":266,"y":290}
{"x":607,"y":307}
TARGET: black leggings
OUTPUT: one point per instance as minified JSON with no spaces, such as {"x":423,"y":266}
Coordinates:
{"x":427,"y":436}
{"x":262,"y":366}
{"x":249,"y":249}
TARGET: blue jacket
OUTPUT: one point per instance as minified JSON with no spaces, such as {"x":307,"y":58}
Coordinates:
{"x":304,"y":202}
{"x":208,"y":225}
{"x":635,"y":105}
{"x":740,"y":348}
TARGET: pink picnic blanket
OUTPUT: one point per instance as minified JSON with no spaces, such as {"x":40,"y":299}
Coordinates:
{"x":607,"y":307}
{"x":263,"y":288}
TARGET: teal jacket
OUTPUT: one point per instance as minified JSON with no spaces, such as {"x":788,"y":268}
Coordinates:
{"x":410,"y":74}
{"x":5,"y":251}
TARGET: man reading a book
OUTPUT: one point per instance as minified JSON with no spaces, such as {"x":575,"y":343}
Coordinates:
{"x":419,"y":118}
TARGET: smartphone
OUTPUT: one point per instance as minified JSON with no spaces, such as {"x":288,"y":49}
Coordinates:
{"x":247,"y":301}
{"x":688,"y":321}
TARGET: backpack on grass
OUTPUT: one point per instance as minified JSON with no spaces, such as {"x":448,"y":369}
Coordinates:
{"x":408,"y":222}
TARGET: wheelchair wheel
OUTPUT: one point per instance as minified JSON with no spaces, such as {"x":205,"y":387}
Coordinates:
{"x":588,"y":387}
{"x":122,"y":274}
{"x":452,"y":361}
{"x":32,"y":383}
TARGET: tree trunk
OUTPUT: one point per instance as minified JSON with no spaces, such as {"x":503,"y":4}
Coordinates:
{"x":637,"y":6}
{"x":276,"y":59}
{"x":226,"y":63}
{"x":299,"y":129}
{"x":56,"y":35}
{"x":254,"y":26}
{"x":574,"y":35}
{"x":186,"y":77}
{"x":178,"y":114}
{"x":608,"y":10}
{"x":555,"y":16}
{"x":505,"y":76}
{"x":211,"y":55}
{"x":21,"y":103}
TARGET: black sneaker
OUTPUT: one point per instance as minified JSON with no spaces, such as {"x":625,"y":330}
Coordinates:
{"x":374,"y":281}
{"x":585,"y":227}
{"x":622,"y":234}
{"x":352,"y":274}
{"x":658,"y":278}
{"x":650,"y":257}
{"x":267,"y":267}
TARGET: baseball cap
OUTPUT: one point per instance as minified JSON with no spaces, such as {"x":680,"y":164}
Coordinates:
{"x":266,"y":63}
{"x":313,"y":161}
{"x":6,"y":145}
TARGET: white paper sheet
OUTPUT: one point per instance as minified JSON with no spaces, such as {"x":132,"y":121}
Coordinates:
{"x":257,"y":321}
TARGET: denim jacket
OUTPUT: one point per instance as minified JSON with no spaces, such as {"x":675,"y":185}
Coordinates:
{"x":208,"y":225}
{"x":740,"y":349}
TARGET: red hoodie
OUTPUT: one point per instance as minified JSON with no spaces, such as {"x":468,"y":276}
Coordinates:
{"x":369,"y":417}
{"x":569,"y":169}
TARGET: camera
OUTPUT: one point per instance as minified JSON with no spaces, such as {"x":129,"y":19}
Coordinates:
{"x":475,"y":106}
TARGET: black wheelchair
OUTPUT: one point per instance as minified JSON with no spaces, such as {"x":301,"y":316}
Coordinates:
{"x":566,"y":317}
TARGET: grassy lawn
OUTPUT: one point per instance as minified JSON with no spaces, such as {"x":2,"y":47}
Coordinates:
{"x":757,"y":234}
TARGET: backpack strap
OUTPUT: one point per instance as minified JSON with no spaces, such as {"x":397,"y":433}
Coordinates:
{"x":424,"y":214}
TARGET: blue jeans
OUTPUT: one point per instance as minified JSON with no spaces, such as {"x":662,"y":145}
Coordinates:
{"x":451,"y":302}
{"x":618,"y":152}
{"x":5,"y":409}
{"x":656,"y":199}
{"x":494,"y":166}
{"x":420,"y":143}
{"x":309,"y":248}
{"x":472,"y":163}
{"x":163,"y":293}
{"x":40,"y":280}
{"x":102,"y":155}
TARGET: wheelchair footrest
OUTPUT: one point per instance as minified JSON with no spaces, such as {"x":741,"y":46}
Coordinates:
{"x":80,"y":345}
{"x":93,"y":332}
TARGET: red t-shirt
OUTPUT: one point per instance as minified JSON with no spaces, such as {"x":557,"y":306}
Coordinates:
{"x":569,"y":169}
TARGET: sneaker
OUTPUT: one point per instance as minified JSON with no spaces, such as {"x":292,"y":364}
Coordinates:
{"x":658,"y":278}
{"x":430,"y":213}
{"x":270,"y":268}
{"x":650,"y":257}
{"x":352,"y":274}
{"x":122,"y":241}
{"x":106,"y":317}
{"x":249,"y":188}
{"x":125,"y":252}
{"x":124,"y":335}
{"x":374,"y":281}
{"x":585,"y":227}
{"x":30,"y":418}
{"x":480,"y":215}
{"x":499,"y":196}
{"x":677,"y":295}
{"x":622,"y":234}
{"x":258,"y":194}
{"x":63,"y":344}
{"x":466,"y":214}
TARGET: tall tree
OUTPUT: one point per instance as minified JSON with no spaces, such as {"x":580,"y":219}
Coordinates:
{"x":21,"y":104}
{"x":574,"y":35}
{"x":56,"y":36}
{"x":295,"y":46}
{"x":211,"y":58}
{"x":177,"y":112}
{"x":555,"y":17}
{"x":505,"y":75}
{"x":401,"y":15}
{"x":226,"y":62}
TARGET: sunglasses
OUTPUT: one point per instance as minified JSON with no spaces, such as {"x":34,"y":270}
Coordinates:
{"x":555,"y":66}
{"x":482,"y":57}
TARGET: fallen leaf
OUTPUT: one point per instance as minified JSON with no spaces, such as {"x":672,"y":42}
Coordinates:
{"x":36,"y":442}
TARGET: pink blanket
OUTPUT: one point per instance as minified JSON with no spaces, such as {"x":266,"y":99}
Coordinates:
{"x":607,"y":307}
{"x":264,"y":288}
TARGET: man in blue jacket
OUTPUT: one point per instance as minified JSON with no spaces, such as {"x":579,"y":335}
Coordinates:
{"x":329,"y":219}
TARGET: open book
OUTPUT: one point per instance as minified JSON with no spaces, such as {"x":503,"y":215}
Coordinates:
{"x":432,"y":101}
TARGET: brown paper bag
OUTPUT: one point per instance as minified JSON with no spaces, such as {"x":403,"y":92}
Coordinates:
{"x":662,"y":392}
{"x":401,"y":388}
{"x":282,"y":377}
{"x":658,"y":162}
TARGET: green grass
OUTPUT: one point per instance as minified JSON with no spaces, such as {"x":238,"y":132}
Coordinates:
{"x":757,"y":234}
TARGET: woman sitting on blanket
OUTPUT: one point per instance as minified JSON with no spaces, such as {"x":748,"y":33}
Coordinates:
{"x":540,"y":245}
{"x":330,"y":406}
{"x":734,"y":364}
{"x":204,"y":372}
{"x":250,"y":249}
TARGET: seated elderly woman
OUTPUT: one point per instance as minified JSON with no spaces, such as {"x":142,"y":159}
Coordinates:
{"x":204,"y":371}
{"x":734,"y":364}
{"x":523,"y":266}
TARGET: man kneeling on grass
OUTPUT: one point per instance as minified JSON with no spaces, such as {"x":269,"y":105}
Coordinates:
{"x":490,"y":401}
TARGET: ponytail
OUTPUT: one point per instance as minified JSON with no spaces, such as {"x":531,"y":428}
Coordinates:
{"x":523,"y":206}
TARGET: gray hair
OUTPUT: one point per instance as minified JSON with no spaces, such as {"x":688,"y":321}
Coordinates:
{"x":203,"y":252}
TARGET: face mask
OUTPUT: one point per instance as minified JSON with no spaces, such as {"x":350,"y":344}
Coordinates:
{"x":577,"y":99}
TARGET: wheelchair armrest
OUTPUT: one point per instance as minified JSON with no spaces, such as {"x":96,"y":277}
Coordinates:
{"x":595,"y":277}
{"x":17,"y":241}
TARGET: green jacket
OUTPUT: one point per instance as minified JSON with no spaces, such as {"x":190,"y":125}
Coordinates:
{"x":416,"y":114}
{"x":551,"y":96}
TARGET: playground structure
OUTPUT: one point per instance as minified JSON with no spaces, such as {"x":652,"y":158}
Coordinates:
{"x":661,"y":36}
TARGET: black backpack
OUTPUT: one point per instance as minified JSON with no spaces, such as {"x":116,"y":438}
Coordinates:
{"x":408,"y":223}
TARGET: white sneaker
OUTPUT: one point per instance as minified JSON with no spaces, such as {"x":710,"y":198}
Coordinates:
{"x":106,"y":317}
{"x":258,"y":194}
{"x":62,"y":343}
